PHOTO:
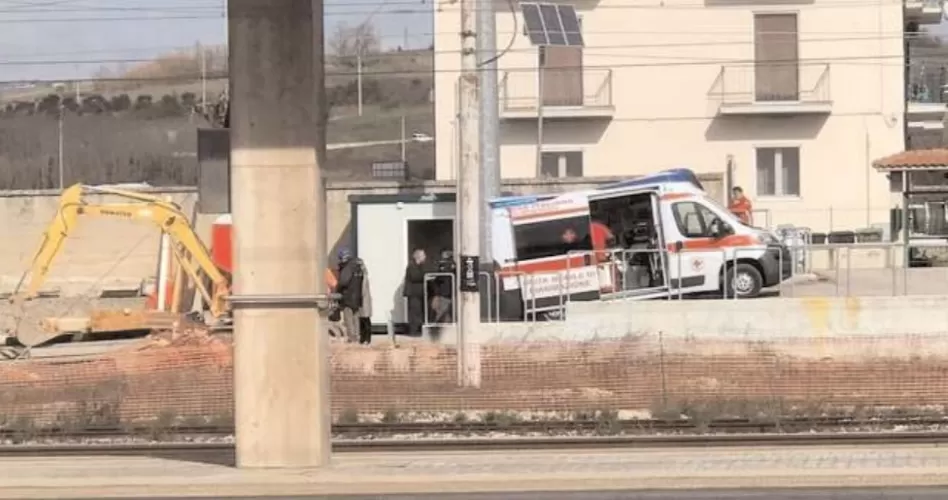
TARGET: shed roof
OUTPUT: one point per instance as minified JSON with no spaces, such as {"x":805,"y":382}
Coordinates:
{"x":919,"y":159}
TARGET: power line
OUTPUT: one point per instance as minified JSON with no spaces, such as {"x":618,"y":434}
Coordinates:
{"x":893,"y":60}
{"x":208,"y":13}
{"x":589,"y":50}
{"x":843,"y":36}
{"x":421,"y":7}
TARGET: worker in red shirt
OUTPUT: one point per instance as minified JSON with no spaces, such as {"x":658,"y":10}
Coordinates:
{"x":602,"y":238}
{"x":741,"y":206}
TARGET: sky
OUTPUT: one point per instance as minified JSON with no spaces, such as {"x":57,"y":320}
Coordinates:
{"x":66,"y":39}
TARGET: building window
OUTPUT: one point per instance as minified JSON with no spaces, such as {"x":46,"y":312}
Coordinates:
{"x":778,"y":171}
{"x":561,"y":164}
{"x":694,"y":220}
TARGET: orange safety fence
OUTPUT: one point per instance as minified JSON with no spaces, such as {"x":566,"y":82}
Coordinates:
{"x":648,"y":375}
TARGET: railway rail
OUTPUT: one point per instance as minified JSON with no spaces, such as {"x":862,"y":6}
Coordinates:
{"x":601,"y":426}
{"x":224,"y":453}
{"x":423,"y":436}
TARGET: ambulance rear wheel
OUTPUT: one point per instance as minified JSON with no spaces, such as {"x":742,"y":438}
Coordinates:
{"x":743,"y":281}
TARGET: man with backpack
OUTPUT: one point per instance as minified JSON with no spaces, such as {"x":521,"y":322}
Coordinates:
{"x":350,"y":287}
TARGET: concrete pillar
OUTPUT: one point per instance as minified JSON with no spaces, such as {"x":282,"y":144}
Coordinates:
{"x":277,"y":131}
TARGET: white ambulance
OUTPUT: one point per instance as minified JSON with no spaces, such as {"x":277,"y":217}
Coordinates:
{"x":651,"y":237}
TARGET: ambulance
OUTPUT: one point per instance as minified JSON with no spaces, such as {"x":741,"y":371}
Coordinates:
{"x":667,"y":239}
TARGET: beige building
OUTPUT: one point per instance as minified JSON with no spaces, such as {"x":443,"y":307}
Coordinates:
{"x":802,"y":96}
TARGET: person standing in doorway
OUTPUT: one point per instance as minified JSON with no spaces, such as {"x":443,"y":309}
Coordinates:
{"x":349,"y":286}
{"x":365,"y":313}
{"x":442,"y":303}
{"x":413,"y":288}
{"x":741,"y":206}
{"x":602,"y":239}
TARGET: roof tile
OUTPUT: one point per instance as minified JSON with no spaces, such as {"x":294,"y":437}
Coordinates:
{"x":919,"y":158}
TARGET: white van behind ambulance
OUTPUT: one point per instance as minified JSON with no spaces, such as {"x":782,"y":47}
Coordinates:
{"x":670,"y":238}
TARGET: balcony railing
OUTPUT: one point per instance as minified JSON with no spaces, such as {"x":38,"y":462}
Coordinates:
{"x":566,"y":91}
{"x":927,"y":85}
{"x":923,"y":11}
{"x":767,"y":84}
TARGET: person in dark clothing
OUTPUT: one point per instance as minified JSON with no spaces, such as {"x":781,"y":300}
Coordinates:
{"x":442,"y":293}
{"x":349,"y":286}
{"x":413,"y":288}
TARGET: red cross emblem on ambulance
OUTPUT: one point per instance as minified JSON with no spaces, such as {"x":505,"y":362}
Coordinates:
{"x":569,"y":236}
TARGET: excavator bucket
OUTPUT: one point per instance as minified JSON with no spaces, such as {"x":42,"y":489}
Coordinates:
{"x":32,"y":332}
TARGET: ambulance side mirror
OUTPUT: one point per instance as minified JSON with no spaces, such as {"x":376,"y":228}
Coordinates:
{"x":722,"y":229}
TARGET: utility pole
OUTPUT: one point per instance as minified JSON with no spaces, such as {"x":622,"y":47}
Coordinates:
{"x":468,"y":194}
{"x":490,"y":149}
{"x":404,"y":144}
{"x":359,"y":78}
{"x":76,"y":85}
{"x":540,"y":70}
{"x":278,"y":141}
{"x":62,"y":117}
{"x":203,"y":55}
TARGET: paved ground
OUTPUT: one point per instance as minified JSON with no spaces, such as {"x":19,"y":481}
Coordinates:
{"x":771,"y":494}
{"x":868,"y":283}
{"x":412,"y":474}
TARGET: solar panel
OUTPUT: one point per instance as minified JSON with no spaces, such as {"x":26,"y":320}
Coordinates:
{"x":552,"y":24}
{"x":571,"y":28}
{"x":534,"y":24}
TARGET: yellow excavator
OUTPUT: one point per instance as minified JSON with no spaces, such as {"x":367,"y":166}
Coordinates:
{"x":192,"y":258}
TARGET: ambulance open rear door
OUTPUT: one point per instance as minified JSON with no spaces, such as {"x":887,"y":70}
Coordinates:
{"x":554,"y":261}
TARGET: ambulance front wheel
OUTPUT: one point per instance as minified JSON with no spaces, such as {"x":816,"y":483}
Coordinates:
{"x":743,"y":281}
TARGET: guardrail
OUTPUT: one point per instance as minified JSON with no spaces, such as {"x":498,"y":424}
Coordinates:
{"x":804,"y":270}
{"x":492,"y":300}
{"x":563,"y":87}
{"x":755,"y":83}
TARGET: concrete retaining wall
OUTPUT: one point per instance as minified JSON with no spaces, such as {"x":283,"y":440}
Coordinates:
{"x":854,"y":329}
{"x":770,"y":317}
{"x":99,"y":252}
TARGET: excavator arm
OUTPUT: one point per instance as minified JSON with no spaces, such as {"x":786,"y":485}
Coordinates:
{"x":190,"y":253}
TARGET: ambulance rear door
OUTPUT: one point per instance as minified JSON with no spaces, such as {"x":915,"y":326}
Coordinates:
{"x":554,"y":259}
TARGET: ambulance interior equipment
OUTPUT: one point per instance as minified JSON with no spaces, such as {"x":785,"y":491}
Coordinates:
{"x":635,"y":248}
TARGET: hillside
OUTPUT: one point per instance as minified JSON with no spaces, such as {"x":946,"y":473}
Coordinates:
{"x":140,"y":126}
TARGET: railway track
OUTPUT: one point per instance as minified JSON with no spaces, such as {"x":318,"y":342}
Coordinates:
{"x":601,"y":426}
{"x":194,"y":443}
{"x":223,"y":453}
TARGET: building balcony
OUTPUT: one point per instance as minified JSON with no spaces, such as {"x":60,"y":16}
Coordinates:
{"x":567,"y":93}
{"x":926,"y":95}
{"x":923,"y":11}
{"x":772,"y":89}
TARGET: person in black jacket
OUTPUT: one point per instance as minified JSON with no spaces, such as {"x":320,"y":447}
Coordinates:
{"x":442,"y":302}
{"x":349,"y":286}
{"x":413,"y":288}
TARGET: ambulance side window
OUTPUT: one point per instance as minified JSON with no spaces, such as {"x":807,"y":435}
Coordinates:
{"x":536,"y":240}
{"x":694,"y":220}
